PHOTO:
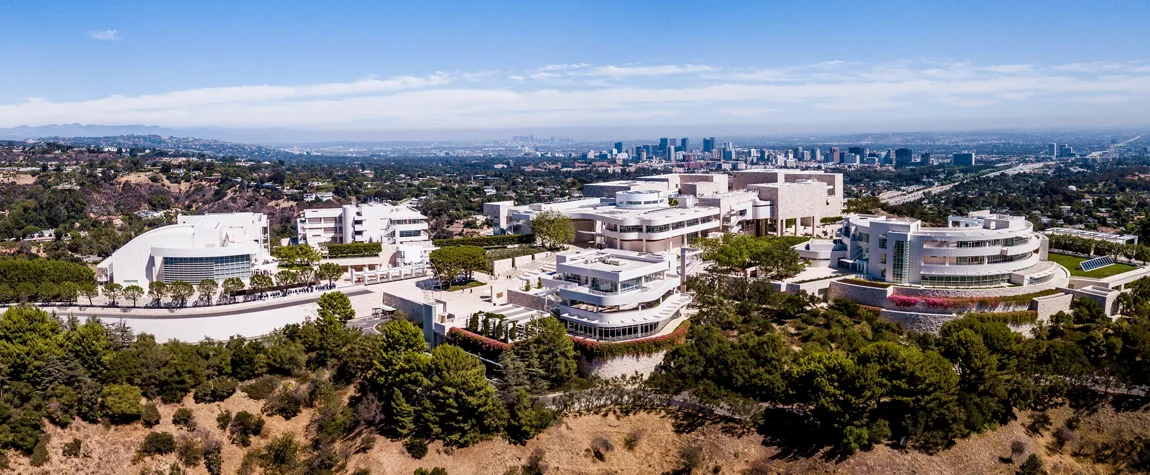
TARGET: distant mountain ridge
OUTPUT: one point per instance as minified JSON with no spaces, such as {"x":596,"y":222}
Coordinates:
{"x":25,"y":132}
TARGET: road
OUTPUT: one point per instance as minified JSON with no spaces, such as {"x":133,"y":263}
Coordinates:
{"x":934,"y":190}
{"x":1110,"y":151}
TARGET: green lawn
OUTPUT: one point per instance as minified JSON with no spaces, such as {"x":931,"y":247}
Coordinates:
{"x":1071,"y":263}
{"x":458,"y":287}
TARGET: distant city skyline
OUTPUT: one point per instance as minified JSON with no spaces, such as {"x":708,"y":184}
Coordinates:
{"x":458,"y":70}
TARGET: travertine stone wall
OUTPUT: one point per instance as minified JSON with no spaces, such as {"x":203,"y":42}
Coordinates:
{"x":620,"y":365}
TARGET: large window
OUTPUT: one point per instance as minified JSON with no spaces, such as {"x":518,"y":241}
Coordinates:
{"x":965,"y":280}
{"x":195,"y":269}
{"x":1016,"y":241}
{"x":631,"y":229}
{"x":901,"y":258}
{"x":613,"y":333}
{"x":1000,"y":258}
{"x":414,"y":233}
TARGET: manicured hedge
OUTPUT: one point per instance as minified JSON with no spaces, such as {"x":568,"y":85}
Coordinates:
{"x":866,"y":283}
{"x":642,"y":346}
{"x":14,"y":272}
{"x":487,"y":241}
{"x":968,"y":302}
{"x":354,"y":249}
{"x":489,"y":348}
{"x":1023,"y":316}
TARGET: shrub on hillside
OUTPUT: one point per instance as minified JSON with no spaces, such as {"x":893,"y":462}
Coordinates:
{"x":184,"y":418}
{"x":262,"y":387}
{"x":215,"y":390}
{"x":286,"y":403}
{"x":244,"y":426}
{"x":150,"y":416}
{"x":416,"y":447}
{"x":73,"y":449}
{"x":158,"y":443}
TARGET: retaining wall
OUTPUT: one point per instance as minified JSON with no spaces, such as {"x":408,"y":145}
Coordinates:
{"x":527,"y":300}
{"x":504,"y":266}
{"x":1050,"y":305}
{"x":620,"y":365}
{"x":860,"y":294}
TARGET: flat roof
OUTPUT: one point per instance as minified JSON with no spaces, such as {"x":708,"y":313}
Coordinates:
{"x":1090,"y":234}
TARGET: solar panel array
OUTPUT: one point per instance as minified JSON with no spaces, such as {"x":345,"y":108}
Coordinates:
{"x":1095,"y":263}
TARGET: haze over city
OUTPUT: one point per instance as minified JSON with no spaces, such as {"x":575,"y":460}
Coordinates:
{"x":456,"y":70}
{"x":594,"y":237}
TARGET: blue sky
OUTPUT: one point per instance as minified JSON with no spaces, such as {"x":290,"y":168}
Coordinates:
{"x":511,"y":64}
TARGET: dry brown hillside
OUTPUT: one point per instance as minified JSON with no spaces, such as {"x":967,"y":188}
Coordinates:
{"x":567,"y":445}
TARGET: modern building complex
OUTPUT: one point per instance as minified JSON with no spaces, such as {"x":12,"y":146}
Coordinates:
{"x":982,"y":250}
{"x":367,"y":222}
{"x":664,"y":212}
{"x":612,"y":295}
{"x":212,"y":246}
{"x":635,"y":220}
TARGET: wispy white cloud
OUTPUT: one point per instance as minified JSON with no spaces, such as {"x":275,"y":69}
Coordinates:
{"x":748,"y":111}
{"x":662,"y":70}
{"x":563,"y":67}
{"x":104,"y":35}
{"x":560,"y":95}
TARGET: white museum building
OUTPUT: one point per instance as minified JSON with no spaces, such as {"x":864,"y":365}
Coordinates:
{"x":615,"y":295}
{"x":366,"y":222}
{"x":197,"y":247}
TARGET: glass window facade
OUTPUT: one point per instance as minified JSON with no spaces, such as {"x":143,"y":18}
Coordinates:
{"x":613,"y":333}
{"x":195,"y":269}
{"x":414,"y":233}
{"x":965,"y":280}
{"x":901,"y":258}
{"x":1000,"y":258}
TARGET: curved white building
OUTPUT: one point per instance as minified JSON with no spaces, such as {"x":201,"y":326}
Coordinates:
{"x":982,"y":250}
{"x":613,"y":295}
{"x":636,"y":220}
{"x":213,"y":246}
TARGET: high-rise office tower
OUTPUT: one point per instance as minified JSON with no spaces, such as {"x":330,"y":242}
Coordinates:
{"x":670,"y":152}
{"x":663,"y":142}
{"x":963,"y":159}
{"x":1065,"y":150}
{"x":618,"y":147}
{"x":816,"y":155}
{"x":1052,"y":150}
{"x":708,"y":144}
{"x":799,"y":153}
{"x":903,"y":157}
{"x":860,"y":151}
{"x":683,"y":144}
{"x":642,"y":154}
{"x":835,"y":155}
